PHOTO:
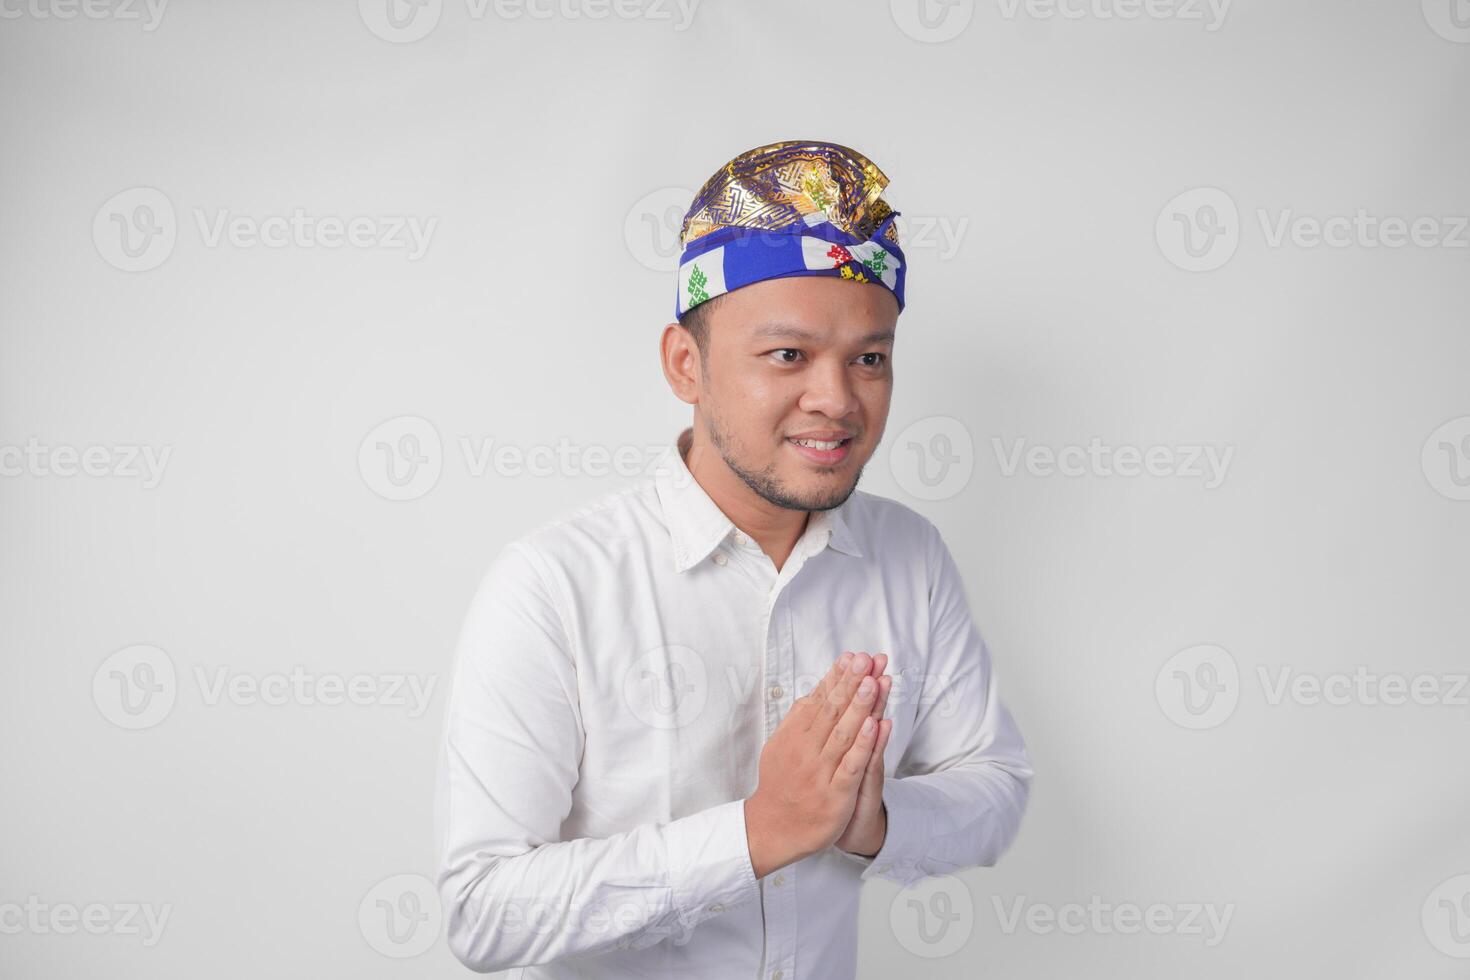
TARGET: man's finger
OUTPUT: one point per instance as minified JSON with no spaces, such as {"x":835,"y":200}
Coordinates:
{"x":839,"y":699}
{"x":885,"y":684}
{"x":853,"y":764}
{"x":812,"y":700}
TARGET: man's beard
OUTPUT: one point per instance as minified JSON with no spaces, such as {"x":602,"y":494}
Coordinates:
{"x":765,"y":484}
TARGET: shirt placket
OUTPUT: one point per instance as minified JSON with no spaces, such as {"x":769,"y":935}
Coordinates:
{"x":778,"y":890}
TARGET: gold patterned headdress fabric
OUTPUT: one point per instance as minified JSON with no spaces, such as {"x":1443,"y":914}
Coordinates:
{"x":776,"y":185}
{"x":816,"y":205}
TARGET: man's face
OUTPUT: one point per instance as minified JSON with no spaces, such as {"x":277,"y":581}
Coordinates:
{"x":796,"y":384}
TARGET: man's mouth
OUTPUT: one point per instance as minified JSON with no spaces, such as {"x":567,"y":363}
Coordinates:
{"x":827,"y":452}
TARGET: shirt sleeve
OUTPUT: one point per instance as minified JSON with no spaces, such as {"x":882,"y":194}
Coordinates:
{"x":956,"y":797}
{"x":514,"y":894}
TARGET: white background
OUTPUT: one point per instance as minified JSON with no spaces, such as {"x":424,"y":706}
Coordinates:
{"x":1041,"y":151}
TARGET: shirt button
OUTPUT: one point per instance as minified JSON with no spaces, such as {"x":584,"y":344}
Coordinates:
{"x":720,"y":558}
{"x":776,"y":691}
{"x":740,"y":538}
{"x":717,"y":907}
{"x":779,"y":880}
{"x":776,"y":975}
{"x":882,"y":869}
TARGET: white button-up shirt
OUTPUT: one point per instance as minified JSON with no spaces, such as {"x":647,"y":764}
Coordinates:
{"x":619,"y":671}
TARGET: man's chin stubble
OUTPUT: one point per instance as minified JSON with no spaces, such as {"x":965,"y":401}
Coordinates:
{"x":767,"y":487}
{"x":773,"y":491}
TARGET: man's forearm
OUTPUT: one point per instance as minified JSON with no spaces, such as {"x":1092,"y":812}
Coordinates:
{"x":581,"y":897}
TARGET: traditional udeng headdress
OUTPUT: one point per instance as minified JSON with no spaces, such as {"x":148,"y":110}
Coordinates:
{"x":793,"y":208}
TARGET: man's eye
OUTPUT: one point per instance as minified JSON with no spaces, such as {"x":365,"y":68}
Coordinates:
{"x":782,"y":355}
{"x":876,"y":359}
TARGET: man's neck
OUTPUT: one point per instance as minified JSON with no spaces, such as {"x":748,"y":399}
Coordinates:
{"x":775,"y":529}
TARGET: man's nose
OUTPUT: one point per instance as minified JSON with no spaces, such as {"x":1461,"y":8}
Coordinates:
{"x":829,"y":391}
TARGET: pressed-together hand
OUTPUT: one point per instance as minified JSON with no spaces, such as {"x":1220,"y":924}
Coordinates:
{"x":866,"y":831}
{"x":812,"y":767}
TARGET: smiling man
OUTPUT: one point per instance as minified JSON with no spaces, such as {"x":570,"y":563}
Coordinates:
{"x":630,"y":785}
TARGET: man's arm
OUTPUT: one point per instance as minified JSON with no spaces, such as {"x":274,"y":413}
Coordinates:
{"x":513,"y":893}
{"x":955,"y":798}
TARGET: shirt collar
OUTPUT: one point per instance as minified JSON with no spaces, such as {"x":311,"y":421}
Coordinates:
{"x":697,"y":525}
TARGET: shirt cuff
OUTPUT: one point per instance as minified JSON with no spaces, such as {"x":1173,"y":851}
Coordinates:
{"x":709,"y":856}
{"x":903,"y":845}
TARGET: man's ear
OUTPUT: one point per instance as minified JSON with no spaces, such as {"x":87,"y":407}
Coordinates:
{"x":679,"y":355}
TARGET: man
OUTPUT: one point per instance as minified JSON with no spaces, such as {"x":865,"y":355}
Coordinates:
{"x":630,"y":785}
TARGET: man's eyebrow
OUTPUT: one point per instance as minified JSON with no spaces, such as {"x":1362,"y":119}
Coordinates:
{"x":792,"y":332}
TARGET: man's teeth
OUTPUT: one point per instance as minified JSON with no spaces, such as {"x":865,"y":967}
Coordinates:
{"x":819,"y":443}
